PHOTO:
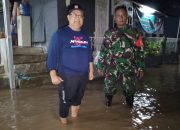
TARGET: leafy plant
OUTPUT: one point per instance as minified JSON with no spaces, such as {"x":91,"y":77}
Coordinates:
{"x":154,"y":47}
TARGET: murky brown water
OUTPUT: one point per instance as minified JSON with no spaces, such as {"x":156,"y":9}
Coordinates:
{"x":156,"y":106}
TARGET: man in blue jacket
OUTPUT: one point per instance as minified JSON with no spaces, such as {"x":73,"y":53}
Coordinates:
{"x":70,"y":62}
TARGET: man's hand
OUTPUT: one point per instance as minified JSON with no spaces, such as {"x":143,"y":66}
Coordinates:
{"x":100,"y":73}
{"x":91,"y":75}
{"x":55,"y":79}
{"x":140,"y":74}
{"x":91,"y":71}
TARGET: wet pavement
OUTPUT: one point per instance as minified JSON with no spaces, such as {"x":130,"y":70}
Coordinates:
{"x":156,"y":106}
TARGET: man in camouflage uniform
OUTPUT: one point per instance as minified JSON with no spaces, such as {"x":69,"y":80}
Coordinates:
{"x":121,"y":58}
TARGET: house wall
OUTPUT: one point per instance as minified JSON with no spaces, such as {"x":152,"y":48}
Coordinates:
{"x":171,"y":26}
{"x":101,"y":20}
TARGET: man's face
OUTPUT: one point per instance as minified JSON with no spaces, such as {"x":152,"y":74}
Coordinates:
{"x":121,"y":17}
{"x":76,"y":19}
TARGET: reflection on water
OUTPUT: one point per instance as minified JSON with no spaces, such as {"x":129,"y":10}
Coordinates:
{"x":13,"y":109}
{"x":8,"y":109}
{"x":145,"y":107}
{"x":158,"y":96}
{"x":156,"y":106}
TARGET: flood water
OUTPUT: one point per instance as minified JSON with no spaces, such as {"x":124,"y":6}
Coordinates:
{"x":156,"y":106}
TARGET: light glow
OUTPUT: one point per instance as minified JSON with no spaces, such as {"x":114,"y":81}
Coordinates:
{"x":146,"y":10}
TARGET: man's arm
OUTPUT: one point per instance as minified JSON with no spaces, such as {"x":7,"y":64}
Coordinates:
{"x":91,"y":71}
{"x":139,"y":57}
{"x":101,"y":64}
{"x":53,"y":59}
{"x":55,"y":79}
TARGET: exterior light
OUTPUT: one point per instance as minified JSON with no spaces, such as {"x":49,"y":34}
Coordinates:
{"x":146,"y":10}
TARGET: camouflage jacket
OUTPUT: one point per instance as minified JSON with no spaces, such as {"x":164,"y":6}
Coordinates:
{"x":119,"y":51}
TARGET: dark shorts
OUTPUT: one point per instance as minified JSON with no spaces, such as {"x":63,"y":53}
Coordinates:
{"x":71,"y":92}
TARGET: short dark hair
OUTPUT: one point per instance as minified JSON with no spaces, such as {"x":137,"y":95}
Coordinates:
{"x":123,"y":7}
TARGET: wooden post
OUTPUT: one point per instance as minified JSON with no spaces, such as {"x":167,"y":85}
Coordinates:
{"x":8,"y":43}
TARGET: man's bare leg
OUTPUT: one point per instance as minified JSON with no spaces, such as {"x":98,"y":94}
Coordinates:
{"x":63,"y":120}
{"x":74,"y":111}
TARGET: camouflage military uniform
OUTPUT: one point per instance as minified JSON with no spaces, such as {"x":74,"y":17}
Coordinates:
{"x":120,"y":59}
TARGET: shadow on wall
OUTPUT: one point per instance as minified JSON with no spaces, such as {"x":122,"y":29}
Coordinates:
{"x":62,"y":19}
{"x":1,"y":21}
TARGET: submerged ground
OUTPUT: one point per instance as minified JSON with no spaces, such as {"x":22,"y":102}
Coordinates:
{"x":156,"y":106}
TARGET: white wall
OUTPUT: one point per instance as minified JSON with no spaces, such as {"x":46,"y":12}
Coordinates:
{"x":101,"y":19}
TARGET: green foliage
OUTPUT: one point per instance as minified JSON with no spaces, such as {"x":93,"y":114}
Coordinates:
{"x":154,"y":47}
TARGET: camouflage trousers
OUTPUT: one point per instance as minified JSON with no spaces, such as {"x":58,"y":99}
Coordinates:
{"x":114,"y":79}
